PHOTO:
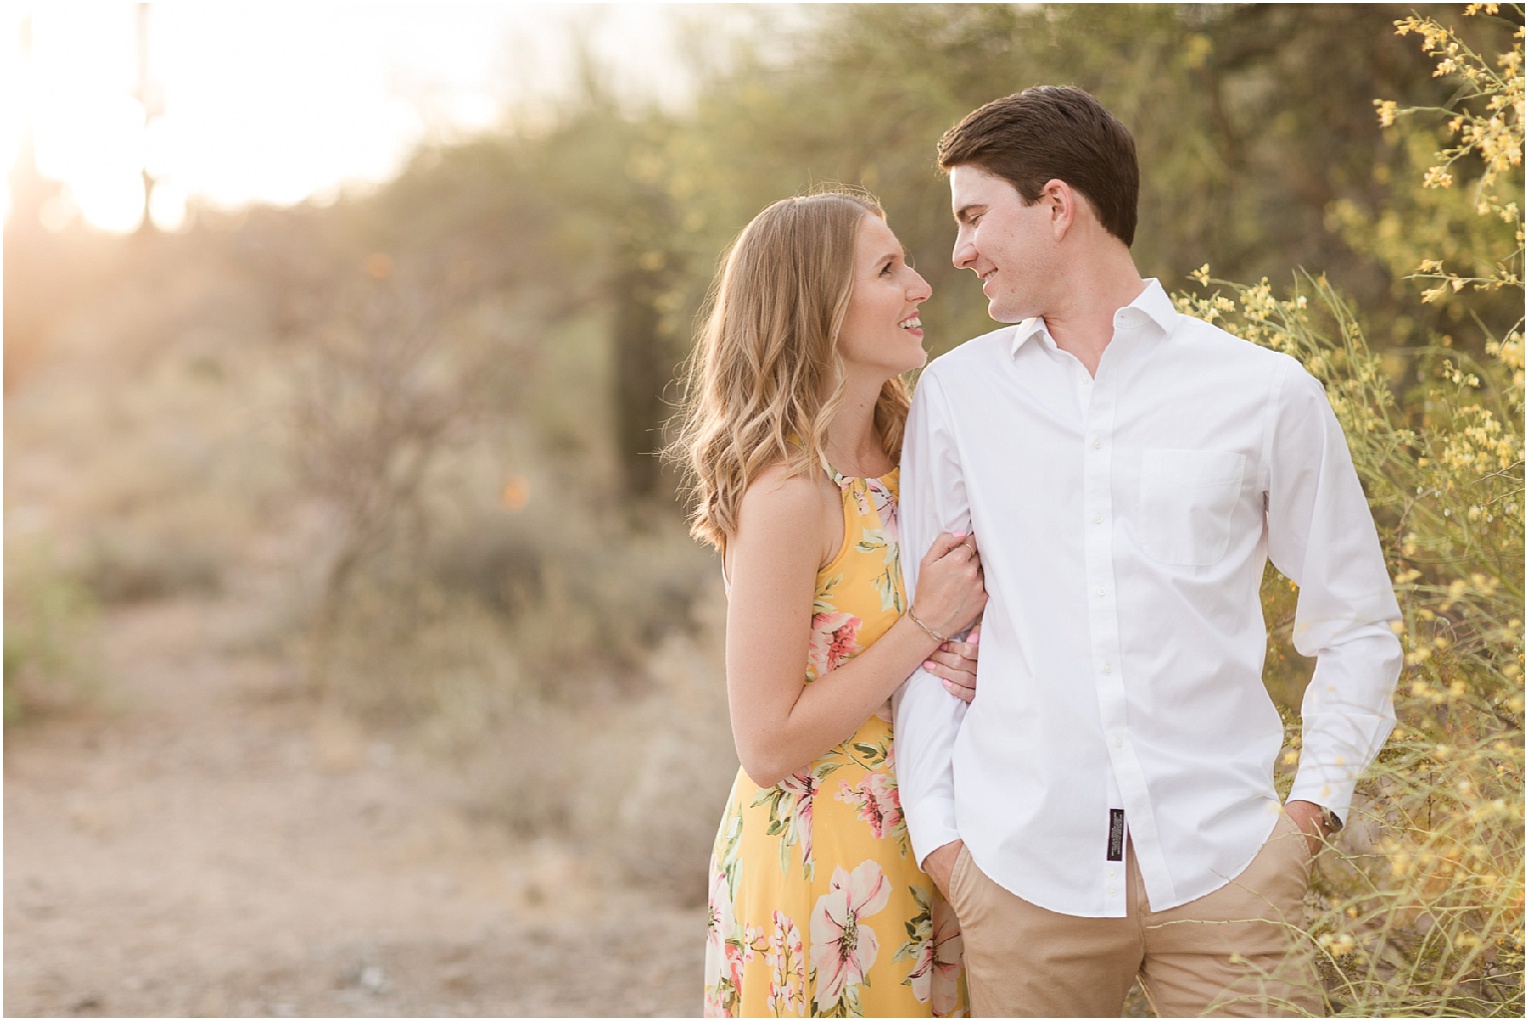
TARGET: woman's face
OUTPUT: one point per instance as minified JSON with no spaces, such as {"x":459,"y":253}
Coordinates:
{"x":881,"y":334}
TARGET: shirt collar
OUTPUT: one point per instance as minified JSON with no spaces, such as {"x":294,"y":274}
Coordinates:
{"x":1151,"y":305}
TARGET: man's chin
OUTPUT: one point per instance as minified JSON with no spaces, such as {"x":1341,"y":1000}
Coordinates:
{"x":1001,"y":314}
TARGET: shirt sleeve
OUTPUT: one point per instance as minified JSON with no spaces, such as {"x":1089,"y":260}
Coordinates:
{"x":1321,"y":536}
{"x":928,"y":718}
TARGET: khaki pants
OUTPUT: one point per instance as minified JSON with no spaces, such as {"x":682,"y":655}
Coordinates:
{"x":1231,"y":953}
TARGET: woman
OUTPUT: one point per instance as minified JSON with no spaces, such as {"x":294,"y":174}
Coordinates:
{"x":791,"y":433}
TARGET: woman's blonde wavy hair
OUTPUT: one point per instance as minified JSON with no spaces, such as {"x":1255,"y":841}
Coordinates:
{"x":766,"y":378}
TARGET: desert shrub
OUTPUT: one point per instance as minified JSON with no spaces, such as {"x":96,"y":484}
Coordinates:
{"x":51,"y":654}
{"x":123,"y":566}
{"x":1418,"y":910}
{"x":589,"y":710}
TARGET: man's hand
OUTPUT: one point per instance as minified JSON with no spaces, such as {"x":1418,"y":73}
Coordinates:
{"x":1309,"y":816}
{"x":940,"y":863}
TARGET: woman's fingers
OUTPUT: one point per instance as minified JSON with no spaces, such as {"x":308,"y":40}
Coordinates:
{"x":950,"y":593}
{"x":963,"y":685}
{"x":962,"y":654}
{"x":952,"y":667}
{"x":943,"y":544}
{"x":954,"y":663}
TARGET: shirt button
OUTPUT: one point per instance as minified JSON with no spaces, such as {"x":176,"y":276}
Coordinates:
{"x":1113,"y":873}
{"x":1113,"y":891}
{"x":1119,"y":742}
{"x":1108,"y":667}
{"x":1097,"y":444}
{"x":1098,"y":519}
{"x":1102,"y":591}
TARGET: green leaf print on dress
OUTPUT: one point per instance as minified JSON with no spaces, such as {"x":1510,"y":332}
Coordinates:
{"x":728,"y":858}
{"x":934,"y":947}
{"x":878,"y":504}
{"x":790,"y":812}
{"x":888,"y":583}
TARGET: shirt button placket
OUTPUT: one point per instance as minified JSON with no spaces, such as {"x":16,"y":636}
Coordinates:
{"x":1098,"y":497}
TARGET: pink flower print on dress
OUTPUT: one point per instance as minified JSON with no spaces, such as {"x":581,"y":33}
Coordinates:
{"x":832,"y":641}
{"x":719,"y":920}
{"x":936,"y":975}
{"x":738,"y":955}
{"x":843,"y":949}
{"x":948,"y":959}
{"x":722,"y":974}
{"x":790,"y":817}
{"x":886,"y":507}
{"x":875,"y":798}
{"x":786,"y":958}
{"x":862,"y":500}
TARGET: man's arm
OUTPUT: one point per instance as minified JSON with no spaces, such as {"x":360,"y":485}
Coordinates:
{"x":1321,"y":536}
{"x":933,"y":500}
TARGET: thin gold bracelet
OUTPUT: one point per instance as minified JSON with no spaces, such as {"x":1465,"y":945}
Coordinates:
{"x":941,"y":639}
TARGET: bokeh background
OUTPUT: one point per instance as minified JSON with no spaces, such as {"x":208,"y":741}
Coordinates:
{"x":357,"y":661}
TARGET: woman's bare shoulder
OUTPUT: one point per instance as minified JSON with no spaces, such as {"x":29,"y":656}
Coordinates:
{"x":784,"y":506}
{"x":779,"y":491}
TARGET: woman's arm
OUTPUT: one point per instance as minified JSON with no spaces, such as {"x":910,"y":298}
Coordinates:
{"x":779,"y":722}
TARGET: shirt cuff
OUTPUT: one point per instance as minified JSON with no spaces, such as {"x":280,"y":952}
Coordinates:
{"x":930,"y":825}
{"x":1337,"y":797}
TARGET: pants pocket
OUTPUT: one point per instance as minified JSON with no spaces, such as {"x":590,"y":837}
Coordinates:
{"x":958,"y":873}
{"x":1297,"y":847}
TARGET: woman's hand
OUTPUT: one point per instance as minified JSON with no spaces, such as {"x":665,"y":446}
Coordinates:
{"x":950,"y":592}
{"x":955,"y":663}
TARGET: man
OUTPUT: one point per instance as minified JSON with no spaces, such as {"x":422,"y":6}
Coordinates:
{"x":1105,"y":809}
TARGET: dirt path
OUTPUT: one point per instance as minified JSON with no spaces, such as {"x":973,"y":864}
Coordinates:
{"x":212,"y":843}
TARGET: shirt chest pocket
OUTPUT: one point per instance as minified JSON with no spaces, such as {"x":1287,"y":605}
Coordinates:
{"x":1188,"y":498}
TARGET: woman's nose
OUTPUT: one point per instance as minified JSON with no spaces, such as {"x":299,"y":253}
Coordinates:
{"x":919,"y":290}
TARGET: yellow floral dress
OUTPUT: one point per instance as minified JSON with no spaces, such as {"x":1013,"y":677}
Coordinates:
{"x":817,"y":906}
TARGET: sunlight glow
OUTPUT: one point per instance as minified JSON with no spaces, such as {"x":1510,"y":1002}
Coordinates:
{"x":277,"y":102}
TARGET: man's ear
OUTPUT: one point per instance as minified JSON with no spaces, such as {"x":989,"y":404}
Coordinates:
{"x":1062,"y":201}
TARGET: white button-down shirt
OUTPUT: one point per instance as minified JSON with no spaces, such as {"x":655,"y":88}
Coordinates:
{"x":1124,"y":521}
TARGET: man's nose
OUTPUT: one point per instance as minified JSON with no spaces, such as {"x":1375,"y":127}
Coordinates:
{"x":964,"y":253}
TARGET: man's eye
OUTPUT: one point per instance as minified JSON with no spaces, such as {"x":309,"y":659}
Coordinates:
{"x":886,"y":270}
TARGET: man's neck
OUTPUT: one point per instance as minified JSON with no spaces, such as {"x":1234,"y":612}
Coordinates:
{"x":1083,"y":323}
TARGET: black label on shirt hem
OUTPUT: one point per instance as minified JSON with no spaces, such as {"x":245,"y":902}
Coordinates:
{"x":1116,"y":834}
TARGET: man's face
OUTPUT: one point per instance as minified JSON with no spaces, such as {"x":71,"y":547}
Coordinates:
{"x":1009,"y":245}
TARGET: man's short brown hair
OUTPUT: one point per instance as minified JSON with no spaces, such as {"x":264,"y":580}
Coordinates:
{"x":1053,"y":132}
